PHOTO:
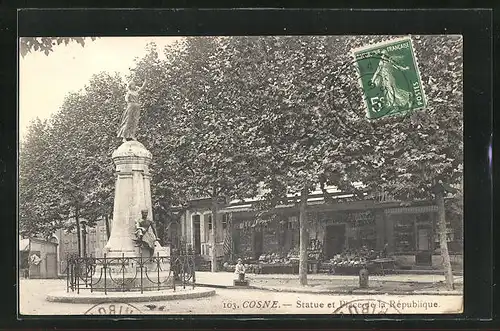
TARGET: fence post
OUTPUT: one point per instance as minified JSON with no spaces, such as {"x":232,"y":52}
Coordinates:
{"x":78,"y":276}
{"x":85,"y":270}
{"x":141,"y":272}
{"x":183,"y":270}
{"x":123,"y":272}
{"x":105,"y":267}
{"x":67,"y":275}
{"x":158,"y":269}
{"x":91,"y":274}
{"x":173,"y":266}
{"x":193,"y":269}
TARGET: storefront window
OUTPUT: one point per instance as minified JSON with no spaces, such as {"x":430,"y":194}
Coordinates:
{"x":404,"y":233}
{"x":361,"y":231}
{"x":413,"y":232}
{"x":450,"y":235}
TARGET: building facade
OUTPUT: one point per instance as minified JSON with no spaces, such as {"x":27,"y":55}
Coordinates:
{"x":95,"y":240}
{"x":406,"y":232}
{"x":38,"y":258}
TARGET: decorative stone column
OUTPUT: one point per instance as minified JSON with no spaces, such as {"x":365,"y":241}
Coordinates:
{"x":132,"y":194}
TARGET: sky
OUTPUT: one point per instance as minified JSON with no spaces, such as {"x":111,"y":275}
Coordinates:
{"x":44,"y":81}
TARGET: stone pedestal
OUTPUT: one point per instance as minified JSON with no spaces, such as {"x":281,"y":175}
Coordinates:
{"x":241,"y":283}
{"x":133,"y":278}
{"x":132,"y":194}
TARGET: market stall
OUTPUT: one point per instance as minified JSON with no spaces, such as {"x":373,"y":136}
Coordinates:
{"x":350,"y":262}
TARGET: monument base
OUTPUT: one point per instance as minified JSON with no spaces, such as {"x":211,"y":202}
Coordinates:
{"x":123,"y":275}
{"x":159,"y":251}
{"x":133,"y":282}
{"x":113,"y":297}
{"x":242,"y":283}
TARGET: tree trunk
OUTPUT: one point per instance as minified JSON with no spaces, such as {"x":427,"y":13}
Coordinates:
{"x":78,"y":232}
{"x":215,"y":211}
{"x":303,"y":237}
{"x":106,"y":222}
{"x":443,"y":242}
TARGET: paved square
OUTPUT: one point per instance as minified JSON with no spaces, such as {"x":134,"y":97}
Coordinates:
{"x":234,"y":301}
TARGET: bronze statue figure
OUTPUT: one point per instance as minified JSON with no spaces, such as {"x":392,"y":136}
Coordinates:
{"x":145,"y":232}
{"x":130,"y":117}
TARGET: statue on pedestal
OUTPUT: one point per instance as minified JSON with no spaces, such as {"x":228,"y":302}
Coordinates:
{"x":130,"y":117}
{"x":145,"y":233}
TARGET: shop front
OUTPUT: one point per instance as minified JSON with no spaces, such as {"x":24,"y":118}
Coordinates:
{"x":346,"y":231}
{"x":415,"y":241}
{"x":349,"y":234}
{"x":274,"y":244}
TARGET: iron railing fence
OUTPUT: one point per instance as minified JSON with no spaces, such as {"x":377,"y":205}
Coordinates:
{"x":123,"y":274}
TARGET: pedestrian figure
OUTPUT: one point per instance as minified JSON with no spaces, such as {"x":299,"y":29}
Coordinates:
{"x":239,"y":270}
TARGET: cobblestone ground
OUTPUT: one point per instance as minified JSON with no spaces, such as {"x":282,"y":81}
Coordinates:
{"x":247,"y":301}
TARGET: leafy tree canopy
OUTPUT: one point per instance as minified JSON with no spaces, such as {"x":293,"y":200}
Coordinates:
{"x":46,"y":44}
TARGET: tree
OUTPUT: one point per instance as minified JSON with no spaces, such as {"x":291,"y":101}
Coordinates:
{"x":299,"y":135}
{"x":37,"y":200}
{"x":46,"y":44}
{"x":418,"y":156}
{"x":84,"y":136}
{"x":308,"y":87}
{"x":207,"y":148}
{"x":280,"y":84}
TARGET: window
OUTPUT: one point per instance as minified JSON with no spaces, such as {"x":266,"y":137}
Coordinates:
{"x":404,"y":233}
{"x":359,"y":230}
{"x":210,"y":222}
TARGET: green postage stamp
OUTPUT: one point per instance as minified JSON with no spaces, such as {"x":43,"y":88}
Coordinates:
{"x":389,"y":78}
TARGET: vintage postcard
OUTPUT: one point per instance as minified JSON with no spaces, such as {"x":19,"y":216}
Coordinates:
{"x":241,"y":175}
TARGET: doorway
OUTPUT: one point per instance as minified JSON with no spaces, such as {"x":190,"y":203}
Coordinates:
{"x":423,"y":256}
{"x":197,"y":234}
{"x":51,"y":265}
{"x":34,"y":267}
{"x":258,"y":242}
{"x":334,"y":240}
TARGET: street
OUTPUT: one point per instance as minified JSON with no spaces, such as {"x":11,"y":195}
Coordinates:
{"x":249,"y":301}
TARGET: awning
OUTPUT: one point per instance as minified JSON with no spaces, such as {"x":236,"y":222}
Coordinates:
{"x":412,"y":210}
{"x":236,"y":209}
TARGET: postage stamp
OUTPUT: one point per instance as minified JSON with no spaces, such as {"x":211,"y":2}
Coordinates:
{"x":389,"y":78}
